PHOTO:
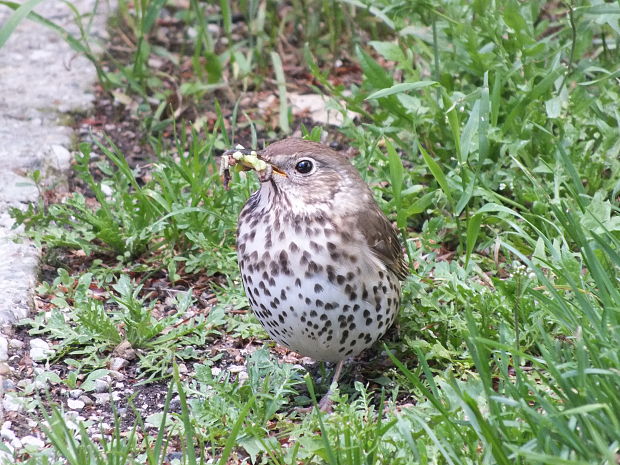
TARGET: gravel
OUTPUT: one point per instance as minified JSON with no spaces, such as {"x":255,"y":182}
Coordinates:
{"x":40,"y":78}
{"x":32,"y":136}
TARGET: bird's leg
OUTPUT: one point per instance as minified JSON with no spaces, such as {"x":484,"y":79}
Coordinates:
{"x":325,"y":404}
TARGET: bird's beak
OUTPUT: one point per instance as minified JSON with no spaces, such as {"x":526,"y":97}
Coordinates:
{"x":274,"y":168}
{"x":279,"y":171}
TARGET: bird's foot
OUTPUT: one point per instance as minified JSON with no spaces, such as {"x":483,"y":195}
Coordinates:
{"x":326,"y":404}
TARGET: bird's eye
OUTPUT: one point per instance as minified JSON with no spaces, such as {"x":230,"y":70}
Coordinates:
{"x":304,"y":166}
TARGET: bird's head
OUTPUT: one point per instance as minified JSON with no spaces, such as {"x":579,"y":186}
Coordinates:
{"x":308,"y":174}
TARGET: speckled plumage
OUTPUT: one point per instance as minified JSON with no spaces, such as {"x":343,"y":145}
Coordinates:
{"x":321,"y":264}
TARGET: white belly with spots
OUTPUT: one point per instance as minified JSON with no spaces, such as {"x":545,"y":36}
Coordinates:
{"x":321,"y":300}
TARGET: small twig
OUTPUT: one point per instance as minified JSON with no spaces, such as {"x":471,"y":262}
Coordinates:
{"x":571,"y":20}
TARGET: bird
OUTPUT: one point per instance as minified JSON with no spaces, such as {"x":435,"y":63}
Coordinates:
{"x":320,"y":262}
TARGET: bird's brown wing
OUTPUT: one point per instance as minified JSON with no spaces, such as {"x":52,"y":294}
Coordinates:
{"x":383,"y":240}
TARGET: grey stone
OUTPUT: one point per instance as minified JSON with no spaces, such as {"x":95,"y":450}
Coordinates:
{"x":24,"y":383}
{"x":40,"y":77}
{"x":8,"y":385}
{"x":102,"y":398}
{"x":116,"y":363}
{"x":75,"y":393}
{"x":117,"y":375}
{"x":87,"y":400}
{"x":102,"y":385}
{"x":16,"y":344}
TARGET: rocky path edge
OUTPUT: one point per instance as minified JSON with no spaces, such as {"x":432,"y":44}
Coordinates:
{"x":42,"y":82}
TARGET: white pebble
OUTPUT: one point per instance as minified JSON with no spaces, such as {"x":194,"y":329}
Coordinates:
{"x":6,"y":433}
{"x":236,"y":368}
{"x":39,"y":344}
{"x":102,"y":398}
{"x":16,"y":344}
{"x":71,"y":425}
{"x":106,"y":189}
{"x":5,"y":369}
{"x":33,"y":442}
{"x":10,"y":404}
{"x":117,"y":363}
{"x":4,"y":349}
{"x":7,"y":457}
{"x":37,"y":353}
{"x":75,"y":404}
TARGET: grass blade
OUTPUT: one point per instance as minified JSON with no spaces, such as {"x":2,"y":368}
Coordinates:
{"x":473,"y":230}
{"x":438,"y":174}
{"x":21,"y":12}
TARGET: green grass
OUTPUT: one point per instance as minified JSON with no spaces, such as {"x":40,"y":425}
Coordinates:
{"x":495,"y":125}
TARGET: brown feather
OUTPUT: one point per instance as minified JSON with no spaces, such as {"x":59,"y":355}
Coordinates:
{"x":383,"y":240}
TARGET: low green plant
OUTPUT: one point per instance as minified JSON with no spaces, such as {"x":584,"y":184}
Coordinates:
{"x":88,"y":328}
{"x":165,"y":217}
{"x":221,"y":399}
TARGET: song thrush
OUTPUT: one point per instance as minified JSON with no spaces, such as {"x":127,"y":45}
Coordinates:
{"x":321,"y":264}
